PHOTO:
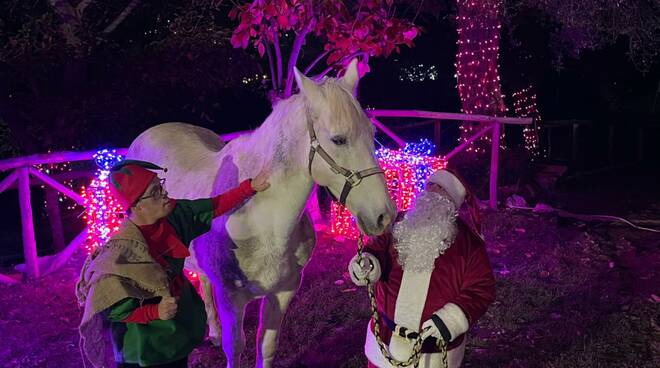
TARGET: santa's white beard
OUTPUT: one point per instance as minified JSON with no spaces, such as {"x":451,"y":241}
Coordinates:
{"x":426,"y":231}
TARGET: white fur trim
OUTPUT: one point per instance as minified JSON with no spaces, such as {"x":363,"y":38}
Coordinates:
{"x":354,"y":270}
{"x":409,"y":307}
{"x":371,"y":350}
{"x":454,"y":318}
{"x":451,"y":184}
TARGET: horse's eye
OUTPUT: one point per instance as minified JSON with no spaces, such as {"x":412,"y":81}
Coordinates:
{"x":338,"y":140}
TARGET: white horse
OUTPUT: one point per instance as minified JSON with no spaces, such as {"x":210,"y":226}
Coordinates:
{"x":259,"y":250}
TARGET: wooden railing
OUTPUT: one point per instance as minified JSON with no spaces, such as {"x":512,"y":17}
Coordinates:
{"x":23,"y":168}
{"x":494,"y":125}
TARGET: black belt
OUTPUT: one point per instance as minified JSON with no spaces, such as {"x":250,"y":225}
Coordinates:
{"x":429,"y":346}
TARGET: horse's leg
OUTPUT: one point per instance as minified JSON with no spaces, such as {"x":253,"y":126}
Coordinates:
{"x":215,"y":330}
{"x":273,"y":307}
{"x":232,"y":310}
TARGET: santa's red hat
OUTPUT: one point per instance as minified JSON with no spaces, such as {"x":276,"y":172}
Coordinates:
{"x":129,"y":179}
{"x":451,"y":184}
{"x":459,"y":193}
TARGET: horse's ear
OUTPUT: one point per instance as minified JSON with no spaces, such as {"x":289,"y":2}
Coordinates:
{"x":308,"y":87}
{"x":351,"y":76}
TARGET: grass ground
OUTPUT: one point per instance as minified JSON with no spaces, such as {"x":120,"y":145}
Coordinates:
{"x":569,"y":294}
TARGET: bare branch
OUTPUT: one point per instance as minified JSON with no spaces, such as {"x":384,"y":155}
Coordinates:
{"x":271,"y":65}
{"x":349,"y":57}
{"x":66,"y":12}
{"x":70,"y":21}
{"x":313,"y":63}
{"x":293,"y":59}
{"x":80,"y":8}
{"x":278,"y":59}
{"x":120,"y":18}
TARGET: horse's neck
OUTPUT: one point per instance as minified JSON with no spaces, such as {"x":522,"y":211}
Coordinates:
{"x":281,"y":145}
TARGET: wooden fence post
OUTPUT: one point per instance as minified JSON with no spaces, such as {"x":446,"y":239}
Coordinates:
{"x":437,"y":132}
{"x":29,"y":241}
{"x":55,"y":218}
{"x":494,"y":164}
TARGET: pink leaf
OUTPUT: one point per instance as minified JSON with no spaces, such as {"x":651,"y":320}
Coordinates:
{"x":363,"y":68}
{"x":410,"y":34}
{"x":236,"y":40}
{"x":293,"y":19}
{"x":245,"y":38}
{"x":282,"y":21}
{"x":361,"y":32}
{"x":233,"y":13}
{"x":262,"y":49}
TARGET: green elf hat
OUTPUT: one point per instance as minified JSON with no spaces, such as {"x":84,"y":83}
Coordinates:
{"x":129,"y":179}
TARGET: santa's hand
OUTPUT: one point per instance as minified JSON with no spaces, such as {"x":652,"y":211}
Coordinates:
{"x":446,"y":323}
{"x":435,"y":327}
{"x":368,"y":268}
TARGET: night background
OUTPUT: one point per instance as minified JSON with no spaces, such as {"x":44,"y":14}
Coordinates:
{"x":574,"y":288}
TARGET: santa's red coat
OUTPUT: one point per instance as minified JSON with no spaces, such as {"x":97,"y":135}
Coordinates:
{"x":462,"y":276}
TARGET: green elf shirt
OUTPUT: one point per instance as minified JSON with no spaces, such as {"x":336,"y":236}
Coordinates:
{"x":139,"y":340}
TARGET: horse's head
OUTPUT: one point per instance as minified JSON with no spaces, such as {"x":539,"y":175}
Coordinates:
{"x":342,"y":149}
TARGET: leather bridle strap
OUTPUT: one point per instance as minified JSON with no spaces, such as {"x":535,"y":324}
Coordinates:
{"x":353,"y":177}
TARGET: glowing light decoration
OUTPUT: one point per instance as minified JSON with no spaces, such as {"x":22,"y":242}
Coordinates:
{"x":103,"y":213}
{"x":418,"y":73}
{"x":405,"y":171}
{"x":56,"y":168}
{"x":524,"y":106}
{"x":477,"y":76}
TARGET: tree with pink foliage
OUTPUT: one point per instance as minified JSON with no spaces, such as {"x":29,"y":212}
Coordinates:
{"x":347,"y":29}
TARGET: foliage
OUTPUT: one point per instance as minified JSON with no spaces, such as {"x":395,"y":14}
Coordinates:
{"x":346,"y":29}
{"x":579,"y":25}
{"x":100,"y":73}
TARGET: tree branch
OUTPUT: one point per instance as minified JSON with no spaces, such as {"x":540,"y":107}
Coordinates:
{"x":271,"y":65}
{"x":349,"y":57}
{"x":66,"y":12}
{"x":313,"y":63}
{"x":278,"y":59}
{"x":293,"y":59}
{"x":80,"y":8}
{"x":70,"y":21}
{"x":120,"y":18}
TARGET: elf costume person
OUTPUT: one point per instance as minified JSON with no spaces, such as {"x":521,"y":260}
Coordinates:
{"x":431,"y":275}
{"x":139,"y":308}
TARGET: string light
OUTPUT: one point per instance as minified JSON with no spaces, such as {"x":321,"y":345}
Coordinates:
{"x":524,"y":104}
{"x":56,"y":168}
{"x":418,"y":73}
{"x":477,"y":75}
{"x":405,"y":171}
{"x":103,"y":213}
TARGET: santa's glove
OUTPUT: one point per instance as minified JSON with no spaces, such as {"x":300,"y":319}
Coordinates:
{"x":446,"y":323}
{"x":367,"y":269}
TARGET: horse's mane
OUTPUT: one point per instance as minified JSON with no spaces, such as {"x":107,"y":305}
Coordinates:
{"x":286,"y":124}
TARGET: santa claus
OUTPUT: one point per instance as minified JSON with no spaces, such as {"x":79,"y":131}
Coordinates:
{"x":431,"y":274}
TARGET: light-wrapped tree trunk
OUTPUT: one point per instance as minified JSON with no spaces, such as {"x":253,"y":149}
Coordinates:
{"x":477,"y":64}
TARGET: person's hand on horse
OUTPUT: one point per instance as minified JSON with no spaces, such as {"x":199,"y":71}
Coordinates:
{"x":260,"y":182}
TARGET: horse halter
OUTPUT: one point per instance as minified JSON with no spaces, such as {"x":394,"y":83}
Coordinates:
{"x":353,"y":177}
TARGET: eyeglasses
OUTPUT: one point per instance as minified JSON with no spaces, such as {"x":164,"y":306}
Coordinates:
{"x":157,"y":192}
